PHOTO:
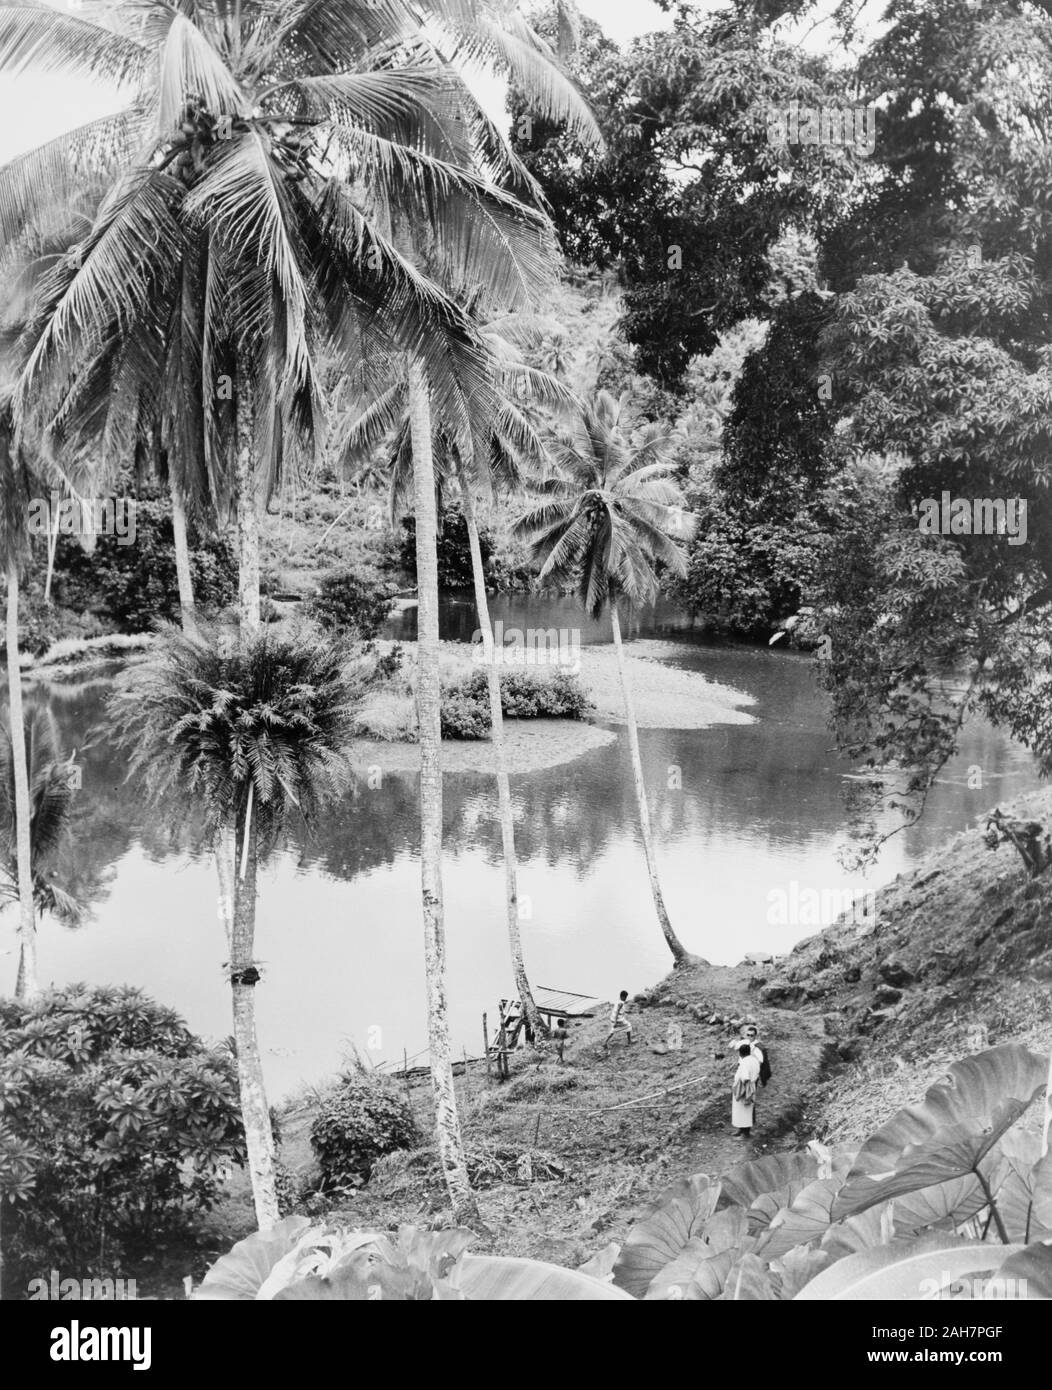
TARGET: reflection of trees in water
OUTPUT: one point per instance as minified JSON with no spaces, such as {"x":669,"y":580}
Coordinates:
{"x":109,"y":816}
{"x":770,"y":782}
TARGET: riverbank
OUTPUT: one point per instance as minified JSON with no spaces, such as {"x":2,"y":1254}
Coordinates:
{"x":859,"y":1020}
{"x":664,"y":697}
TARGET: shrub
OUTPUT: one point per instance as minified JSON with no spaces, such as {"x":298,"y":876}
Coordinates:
{"x":531,"y":695}
{"x":116,"y":1125}
{"x":464,"y":715}
{"x":363,"y":1118}
{"x":132,"y":585}
{"x":354,"y":599}
{"x":454,"y":552}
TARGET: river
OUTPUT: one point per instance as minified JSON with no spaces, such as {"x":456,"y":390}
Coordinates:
{"x":746,"y":816}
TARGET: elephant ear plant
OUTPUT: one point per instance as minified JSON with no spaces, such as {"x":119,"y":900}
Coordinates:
{"x":297,"y":1260}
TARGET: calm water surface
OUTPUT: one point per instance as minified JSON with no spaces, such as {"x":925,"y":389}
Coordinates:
{"x":756,"y":808}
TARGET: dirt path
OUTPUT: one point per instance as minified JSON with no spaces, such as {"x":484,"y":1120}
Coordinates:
{"x":616,"y":1125}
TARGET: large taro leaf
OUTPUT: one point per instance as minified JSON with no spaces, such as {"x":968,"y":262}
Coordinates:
{"x":769,"y":1204}
{"x":727,"y":1230}
{"x":797,"y":1268}
{"x":774,"y":1173}
{"x":748,"y":1282}
{"x":240,"y":1274}
{"x":1030,"y":1269}
{"x":942,"y":1207}
{"x":477,"y":1278}
{"x":501,"y":1277}
{"x":957,"y":1123}
{"x":664,"y":1229}
{"x":873,"y":1227}
{"x":1024,"y":1190}
{"x":806,"y":1219}
{"x":904,"y":1270}
{"x":697,"y":1275}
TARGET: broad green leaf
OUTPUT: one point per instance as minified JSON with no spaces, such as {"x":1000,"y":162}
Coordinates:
{"x":663,"y":1231}
{"x":798,"y":1268}
{"x":903,"y":1271}
{"x":947,"y":1205}
{"x":727,"y":1229}
{"x":774,"y":1173}
{"x":697,"y":1275}
{"x":242,"y":1272}
{"x":958,"y":1122}
{"x":1024,"y":1198}
{"x":870,"y":1228}
{"x":807,"y":1219}
{"x":748,"y":1282}
{"x":1034,"y":1264}
{"x":500,"y":1277}
{"x":601,"y":1265}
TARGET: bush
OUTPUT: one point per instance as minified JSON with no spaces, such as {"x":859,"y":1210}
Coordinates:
{"x":116,"y":1125}
{"x":454,"y":552}
{"x":352,"y":599}
{"x":132,"y":585}
{"x":364,"y":1118}
{"x":464,"y":715}
{"x":529,"y":695}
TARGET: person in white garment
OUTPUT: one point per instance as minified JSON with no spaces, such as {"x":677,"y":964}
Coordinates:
{"x":743,"y":1091}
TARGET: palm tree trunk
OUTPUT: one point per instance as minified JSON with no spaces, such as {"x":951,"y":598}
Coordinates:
{"x":52,"y":550}
{"x":429,"y":720}
{"x":247,"y":518}
{"x":28,"y":986}
{"x":679,"y":954}
{"x":255,"y":1112}
{"x":182,"y":559}
{"x":507,"y":821}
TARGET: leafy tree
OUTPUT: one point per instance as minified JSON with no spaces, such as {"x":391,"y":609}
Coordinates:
{"x":689,"y":195}
{"x":116,"y":1126}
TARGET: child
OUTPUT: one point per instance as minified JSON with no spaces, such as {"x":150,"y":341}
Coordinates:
{"x":619,"y":1019}
{"x":559,"y":1035}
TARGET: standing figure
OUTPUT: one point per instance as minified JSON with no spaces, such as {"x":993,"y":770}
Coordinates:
{"x":743,"y":1091}
{"x":750,"y":1034}
{"x":619,"y":1018}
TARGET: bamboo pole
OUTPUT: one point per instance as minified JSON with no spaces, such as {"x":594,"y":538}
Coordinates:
{"x":485,"y":1046}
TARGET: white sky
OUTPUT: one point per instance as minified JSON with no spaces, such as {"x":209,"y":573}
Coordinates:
{"x":36,"y":108}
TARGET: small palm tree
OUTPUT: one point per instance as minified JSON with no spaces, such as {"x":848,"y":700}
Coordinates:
{"x":605,"y":524}
{"x":51,"y":779}
{"x":251,"y":735}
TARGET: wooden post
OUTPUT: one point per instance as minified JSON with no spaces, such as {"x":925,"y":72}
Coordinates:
{"x":405,"y":1077}
{"x":485,"y":1045}
{"x":467,"y":1084}
{"x":537,"y":1128}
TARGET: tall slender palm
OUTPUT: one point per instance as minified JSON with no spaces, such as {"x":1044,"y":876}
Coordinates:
{"x":253,"y":736}
{"x":604,"y":526}
{"x":51,"y":793}
{"x":15,"y":491}
{"x":516,"y":442}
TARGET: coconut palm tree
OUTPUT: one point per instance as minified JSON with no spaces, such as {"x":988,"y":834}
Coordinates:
{"x":259,"y":177}
{"x":603,"y":527}
{"x":516,"y":444}
{"x":16,"y":488}
{"x":252,"y":737}
{"x":51,"y":790}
